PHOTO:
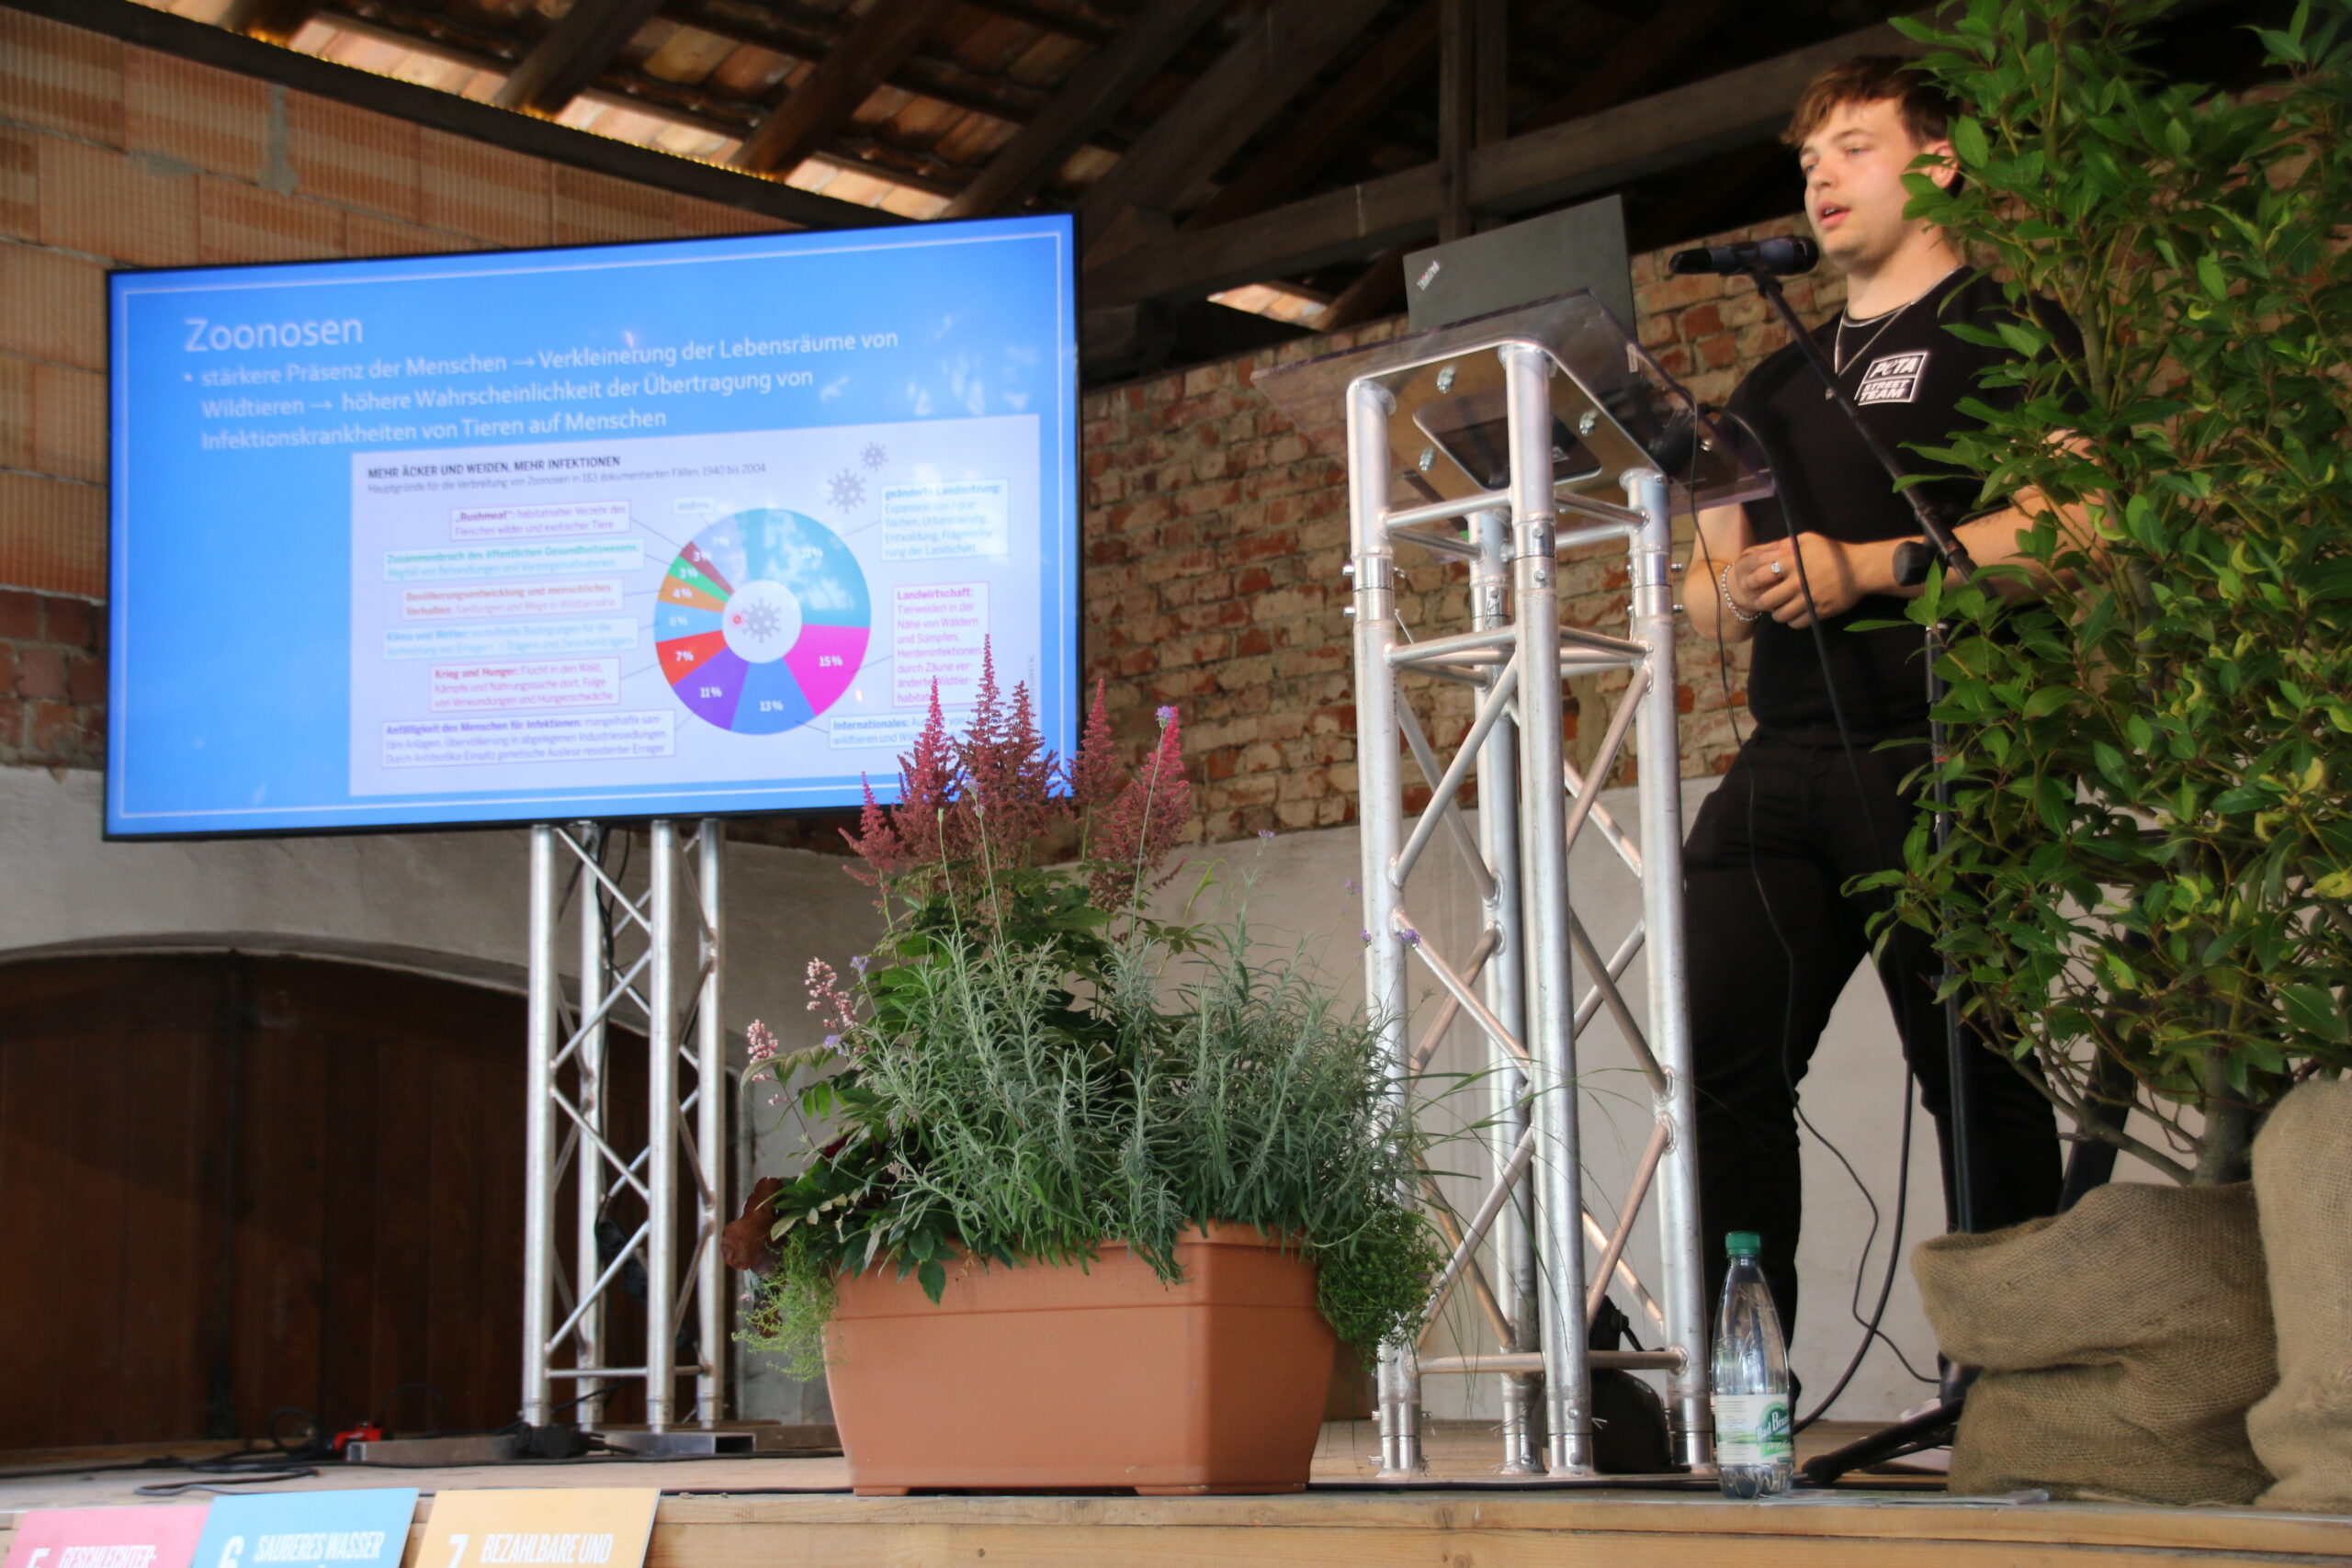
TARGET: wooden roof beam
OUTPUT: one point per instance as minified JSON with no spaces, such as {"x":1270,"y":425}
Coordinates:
{"x":1097,"y":90}
{"x":1457,"y":105}
{"x":844,"y":79}
{"x":575,"y":51}
{"x":209,"y":45}
{"x":1280,"y":51}
{"x":808,"y":38}
{"x":1634,"y":62}
{"x":275,"y":20}
{"x":1663,"y":131}
{"x":636,"y":93}
{"x":1047,"y":19}
{"x":1332,"y":123}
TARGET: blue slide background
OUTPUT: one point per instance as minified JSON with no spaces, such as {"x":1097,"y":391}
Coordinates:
{"x":229,"y":612}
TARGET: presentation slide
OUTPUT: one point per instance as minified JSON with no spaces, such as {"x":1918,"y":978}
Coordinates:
{"x":668,"y":529}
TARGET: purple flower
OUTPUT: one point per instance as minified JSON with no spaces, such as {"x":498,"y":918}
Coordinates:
{"x":1409,"y":937}
{"x":832,"y":1042}
{"x":1265,"y":833}
{"x":1367,"y":934}
{"x":1166,"y":714}
{"x":1351,"y":885}
{"x":859,"y":963}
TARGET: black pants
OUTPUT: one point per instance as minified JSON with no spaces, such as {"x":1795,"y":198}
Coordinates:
{"x":1772,"y":942}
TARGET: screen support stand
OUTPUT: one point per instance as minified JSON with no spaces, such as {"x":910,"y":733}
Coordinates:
{"x":647,"y":1196}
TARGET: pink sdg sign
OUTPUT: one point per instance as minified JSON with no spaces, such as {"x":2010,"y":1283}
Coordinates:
{"x":162,"y":1536}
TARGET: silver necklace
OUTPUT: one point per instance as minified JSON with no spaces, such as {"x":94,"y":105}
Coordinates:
{"x":1840,"y":358}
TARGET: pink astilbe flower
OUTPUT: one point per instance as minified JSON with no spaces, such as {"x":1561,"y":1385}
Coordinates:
{"x":1011,"y":777}
{"x":1145,"y":822}
{"x":974,"y":752}
{"x":908,"y":836}
{"x":876,"y":841}
{"x":929,"y":782}
{"x":1096,"y":774}
{"x":987,"y":729}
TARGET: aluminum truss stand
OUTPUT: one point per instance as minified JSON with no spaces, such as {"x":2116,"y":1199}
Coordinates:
{"x":1495,"y":429}
{"x":643,"y":1220}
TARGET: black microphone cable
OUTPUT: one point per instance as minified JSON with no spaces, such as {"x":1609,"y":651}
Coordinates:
{"x":1871,"y":1326}
{"x":1872,"y":1329}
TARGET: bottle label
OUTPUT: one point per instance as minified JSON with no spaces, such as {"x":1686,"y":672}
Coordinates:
{"x":1753,"y":1429}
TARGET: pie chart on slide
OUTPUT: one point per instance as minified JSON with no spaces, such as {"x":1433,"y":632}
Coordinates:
{"x":762,"y":622}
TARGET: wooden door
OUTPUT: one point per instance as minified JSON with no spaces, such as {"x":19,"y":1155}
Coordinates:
{"x":230,"y":1186}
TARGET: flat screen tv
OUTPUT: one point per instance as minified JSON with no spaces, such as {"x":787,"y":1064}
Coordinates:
{"x":681,"y":528}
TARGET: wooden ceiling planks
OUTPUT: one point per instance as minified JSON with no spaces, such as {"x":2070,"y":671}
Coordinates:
{"x":1203,"y":142}
{"x":1094,"y":90}
{"x":1278,"y":51}
{"x":582,"y":44}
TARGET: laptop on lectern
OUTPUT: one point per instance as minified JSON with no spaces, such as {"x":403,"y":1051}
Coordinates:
{"x":1580,"y":247}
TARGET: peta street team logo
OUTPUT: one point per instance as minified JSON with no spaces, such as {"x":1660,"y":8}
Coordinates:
{"x":1893,"y":379}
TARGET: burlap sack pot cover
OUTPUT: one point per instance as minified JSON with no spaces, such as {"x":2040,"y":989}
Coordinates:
{"x":2303,"y":1174}
{"x":2122,"y":1344}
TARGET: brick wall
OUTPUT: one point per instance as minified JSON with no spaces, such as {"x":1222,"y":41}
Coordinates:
{"x":53,"y":680}
{"x":115,"y":156}
{"x":1214,"y":536}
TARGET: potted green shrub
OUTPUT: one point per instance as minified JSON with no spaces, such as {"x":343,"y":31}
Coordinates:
{"x":2147,"y":885}
{"x":1092,"y":1196}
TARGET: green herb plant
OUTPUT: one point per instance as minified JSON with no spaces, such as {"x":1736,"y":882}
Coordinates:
{"x":1029,"y":1067}
{"x":2148,"y":882}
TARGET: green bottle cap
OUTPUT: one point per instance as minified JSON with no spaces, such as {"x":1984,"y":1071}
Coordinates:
{"x":1744,"y":1244}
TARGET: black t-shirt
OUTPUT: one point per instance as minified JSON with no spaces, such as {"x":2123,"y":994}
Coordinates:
{"x":1907,"y":372}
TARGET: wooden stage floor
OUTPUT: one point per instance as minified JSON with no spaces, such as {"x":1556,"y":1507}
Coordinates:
{"x":797,"y":1513}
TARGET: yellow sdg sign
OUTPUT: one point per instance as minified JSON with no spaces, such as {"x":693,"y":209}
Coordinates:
{"x":552,"y":1527}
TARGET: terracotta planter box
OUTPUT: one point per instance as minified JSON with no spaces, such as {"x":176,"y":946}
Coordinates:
{"x":1053,"y":1379}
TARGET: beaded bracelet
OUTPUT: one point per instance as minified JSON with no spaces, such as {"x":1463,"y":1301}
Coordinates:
{"x":1722,"y":581}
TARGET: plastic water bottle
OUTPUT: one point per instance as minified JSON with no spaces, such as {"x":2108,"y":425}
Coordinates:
{"x":1755,"y":1449}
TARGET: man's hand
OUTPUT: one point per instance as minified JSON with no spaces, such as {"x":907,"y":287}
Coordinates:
{"x":1765,"y":578}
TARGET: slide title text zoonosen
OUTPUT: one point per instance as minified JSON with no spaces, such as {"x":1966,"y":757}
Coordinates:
{"x":208,"y":336}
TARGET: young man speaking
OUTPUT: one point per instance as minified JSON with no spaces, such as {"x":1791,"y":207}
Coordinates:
{"x":1773,"y":936}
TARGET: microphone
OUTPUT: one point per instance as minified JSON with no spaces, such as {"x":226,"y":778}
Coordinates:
{"x":1785,"y":255}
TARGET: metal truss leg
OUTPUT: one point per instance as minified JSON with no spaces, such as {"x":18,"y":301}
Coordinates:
{"x":660,"y":1130}
{"x":1516,"y":1272}
{"x":590,"y":1177}
{"x":710,"y":1129}
{"x":1373,"y":563}
{"x":539,"y":1135}
{"x":1660,"y":788}
{"x":1551,"y":1004}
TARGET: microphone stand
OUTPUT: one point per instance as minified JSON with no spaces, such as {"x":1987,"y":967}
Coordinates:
{"x":1913,"y":561}
{"x":1941,"y":541}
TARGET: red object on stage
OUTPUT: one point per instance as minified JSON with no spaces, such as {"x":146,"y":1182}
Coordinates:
{"x":366,"y":1432}
{"x":1051,"y":1377}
